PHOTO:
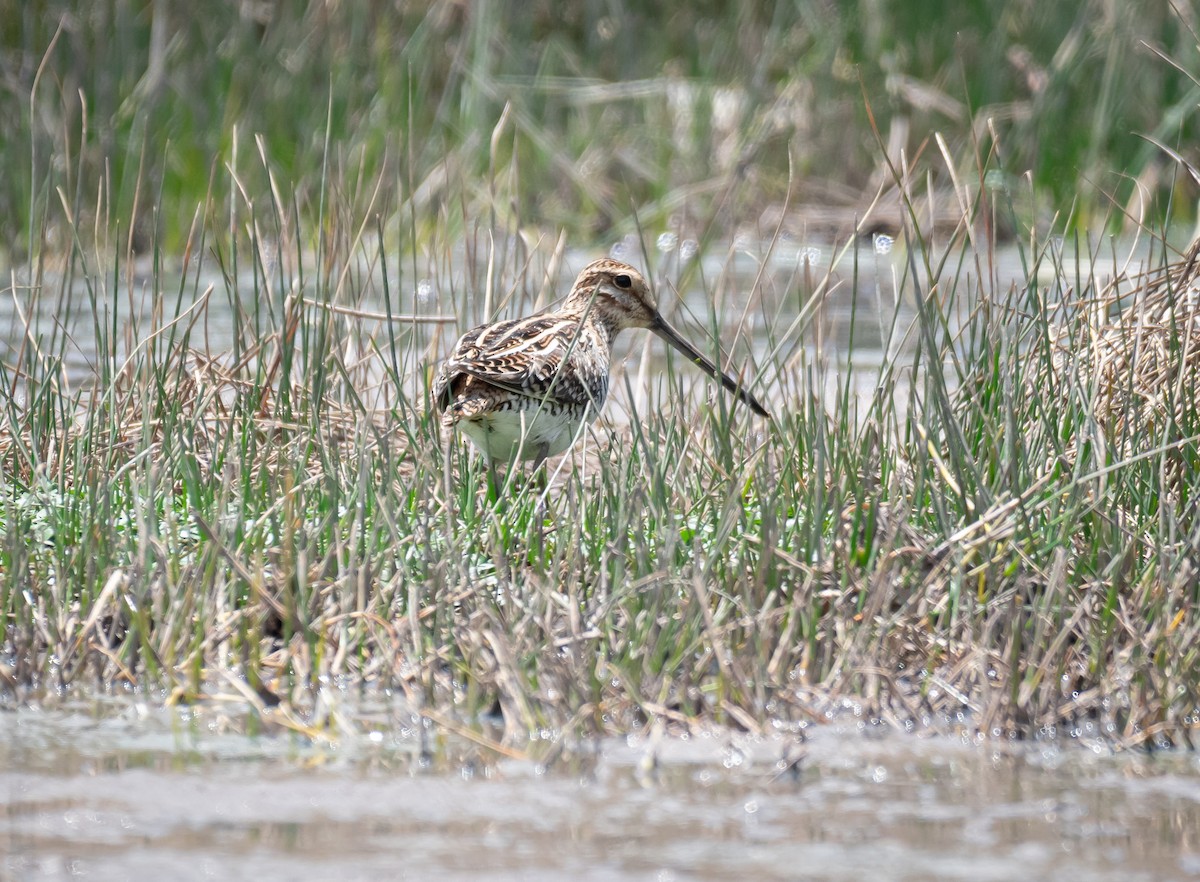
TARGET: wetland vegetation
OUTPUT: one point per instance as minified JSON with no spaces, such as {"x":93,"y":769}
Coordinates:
{"x":264,"y":227}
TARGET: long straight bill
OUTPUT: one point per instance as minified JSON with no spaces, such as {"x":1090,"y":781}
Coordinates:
{"x":696,"y":357}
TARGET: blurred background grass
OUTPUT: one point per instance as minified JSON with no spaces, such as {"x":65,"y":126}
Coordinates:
{"x":613,"y":109}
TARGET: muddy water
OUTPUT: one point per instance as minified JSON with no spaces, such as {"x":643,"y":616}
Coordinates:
{"x":148,"y":794}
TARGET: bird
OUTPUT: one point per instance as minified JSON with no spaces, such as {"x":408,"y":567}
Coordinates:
{"x":523,"y":388}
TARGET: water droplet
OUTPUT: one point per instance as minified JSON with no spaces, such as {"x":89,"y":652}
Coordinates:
{"x":424,"y":289}
{"x":667,"y":242}
{"x":883,"y":243}
{"x":810,"y":255}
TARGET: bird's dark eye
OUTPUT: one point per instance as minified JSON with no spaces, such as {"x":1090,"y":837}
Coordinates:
{"x":623,"y":281}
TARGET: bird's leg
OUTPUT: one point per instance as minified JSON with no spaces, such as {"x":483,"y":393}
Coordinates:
{"x":543,"y":452}
{"x":447,"y":453}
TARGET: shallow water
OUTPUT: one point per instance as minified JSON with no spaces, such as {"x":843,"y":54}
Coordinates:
{"x":156,"y":794}
{"x":860,"y":321}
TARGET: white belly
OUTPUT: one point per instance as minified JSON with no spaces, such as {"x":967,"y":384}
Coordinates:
{"x":506,"y":435}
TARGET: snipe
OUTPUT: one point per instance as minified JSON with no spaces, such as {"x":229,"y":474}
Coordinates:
{"x":523,"y":388}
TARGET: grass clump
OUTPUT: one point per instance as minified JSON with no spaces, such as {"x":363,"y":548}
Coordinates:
{"x":246,"y":486}
{"x":974,"y":508}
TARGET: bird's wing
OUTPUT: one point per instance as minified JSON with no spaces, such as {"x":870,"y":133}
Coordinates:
{"x":522,"y":356}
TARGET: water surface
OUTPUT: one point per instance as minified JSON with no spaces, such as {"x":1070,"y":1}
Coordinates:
{"x":151,"y":794}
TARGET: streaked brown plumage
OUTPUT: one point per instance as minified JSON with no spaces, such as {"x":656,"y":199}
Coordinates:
{"x":523,"y":388}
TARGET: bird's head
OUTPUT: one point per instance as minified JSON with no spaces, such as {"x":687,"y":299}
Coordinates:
{"x":614,"y":292}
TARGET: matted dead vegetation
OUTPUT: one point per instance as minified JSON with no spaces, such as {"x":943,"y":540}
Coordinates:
{"x":1140,"y":368}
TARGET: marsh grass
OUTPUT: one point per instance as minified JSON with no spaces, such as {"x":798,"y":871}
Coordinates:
{"x":218,"y":474}
{"x":1001,"y":540}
